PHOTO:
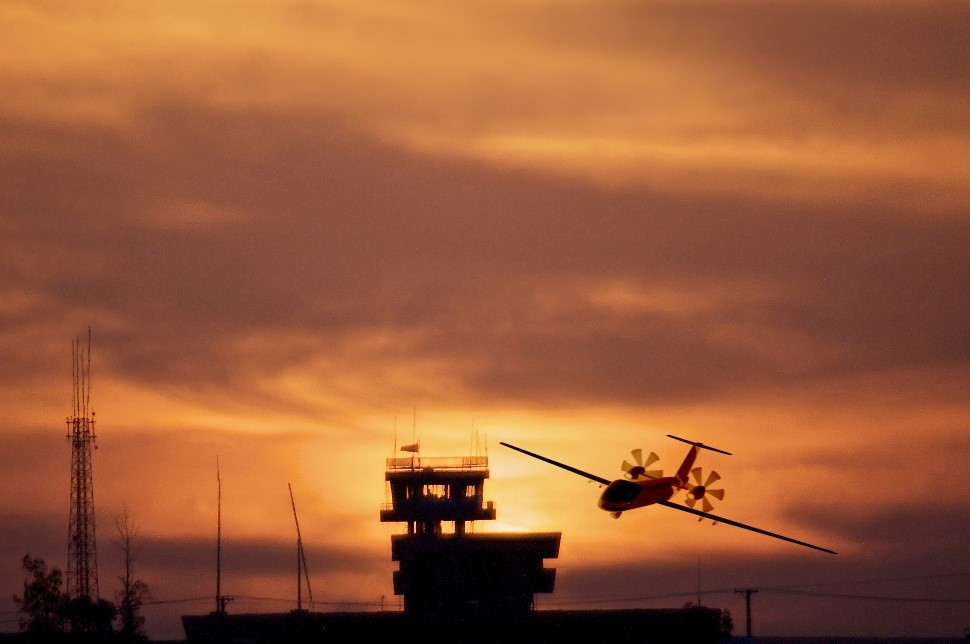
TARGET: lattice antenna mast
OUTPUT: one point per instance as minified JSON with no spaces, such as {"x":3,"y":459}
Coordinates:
{"x":82,"y":552}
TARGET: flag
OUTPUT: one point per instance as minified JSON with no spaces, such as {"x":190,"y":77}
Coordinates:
{"x":413,"y":447}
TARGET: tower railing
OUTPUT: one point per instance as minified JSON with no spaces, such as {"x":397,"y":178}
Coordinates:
{"x":438,"y":463}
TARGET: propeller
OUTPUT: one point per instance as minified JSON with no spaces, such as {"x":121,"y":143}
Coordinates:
{"x":701,"y":490}
{"x":638,"y":469}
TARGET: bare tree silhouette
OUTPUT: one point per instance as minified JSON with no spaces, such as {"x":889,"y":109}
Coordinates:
{"x":133,"y":591}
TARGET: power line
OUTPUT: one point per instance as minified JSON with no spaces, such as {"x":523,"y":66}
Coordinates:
{"x":607,"y":600}
{"x":287,"y":600}
{"x":782,"y":591}
{"x":877,"y":580}
{"x":183,"y":600}
{"x":924,"y":600}
{"x":641,"y":598}
{"x":186,"y":600}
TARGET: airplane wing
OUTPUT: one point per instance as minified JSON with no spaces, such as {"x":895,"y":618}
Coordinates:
{"x":713,"y":517}
{"x":591,"y":477}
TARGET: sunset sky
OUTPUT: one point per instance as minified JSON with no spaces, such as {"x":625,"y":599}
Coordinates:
{"x":572,"y":225}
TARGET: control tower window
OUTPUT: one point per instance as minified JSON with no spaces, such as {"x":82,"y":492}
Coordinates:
{"x":434,"y":491}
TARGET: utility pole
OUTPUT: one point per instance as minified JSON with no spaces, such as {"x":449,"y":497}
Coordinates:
{"x":747,"y":592}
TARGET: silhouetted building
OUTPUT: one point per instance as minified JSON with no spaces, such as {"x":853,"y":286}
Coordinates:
{"x":457,"y":576}
{"x":631,"y":626}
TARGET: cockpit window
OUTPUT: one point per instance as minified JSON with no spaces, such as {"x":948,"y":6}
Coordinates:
{"x":621,"y":492}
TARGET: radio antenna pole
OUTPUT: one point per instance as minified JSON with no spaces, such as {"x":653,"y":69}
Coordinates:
{"x":300,"y":560}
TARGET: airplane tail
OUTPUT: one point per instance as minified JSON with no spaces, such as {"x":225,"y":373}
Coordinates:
{"x":688,"y":463}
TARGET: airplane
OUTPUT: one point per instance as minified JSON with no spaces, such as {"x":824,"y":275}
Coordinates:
{"x":642,"y":487}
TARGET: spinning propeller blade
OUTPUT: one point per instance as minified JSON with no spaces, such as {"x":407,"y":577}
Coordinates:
{"x":638,"y":469}
{"x":700,"y":491}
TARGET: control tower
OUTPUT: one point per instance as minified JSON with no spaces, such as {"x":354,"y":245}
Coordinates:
{"x":460,"y":576}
